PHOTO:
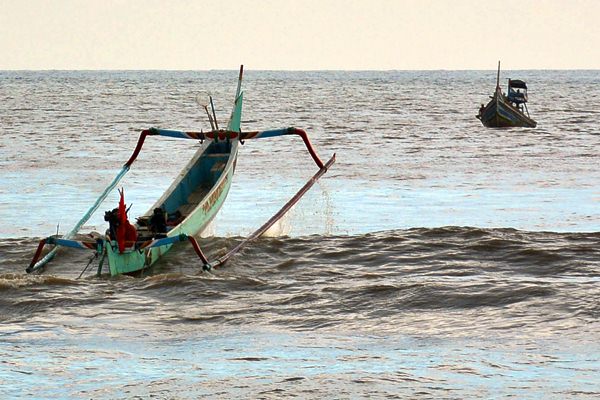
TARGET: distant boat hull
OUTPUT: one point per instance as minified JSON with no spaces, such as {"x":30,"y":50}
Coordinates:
{"x":499,"y":113}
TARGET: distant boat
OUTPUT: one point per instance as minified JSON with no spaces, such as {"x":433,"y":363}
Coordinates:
{"x":510,"y":110}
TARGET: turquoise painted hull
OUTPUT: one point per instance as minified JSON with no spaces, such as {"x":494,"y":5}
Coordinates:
{"x":197,"y":194}
{"x":200,"y":216}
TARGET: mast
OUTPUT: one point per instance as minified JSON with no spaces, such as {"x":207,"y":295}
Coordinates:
{"x":212,"y":107}
{"x":498,"y":76}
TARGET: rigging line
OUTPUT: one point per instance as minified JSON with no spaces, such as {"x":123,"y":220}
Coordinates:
{"x":88,"y":264}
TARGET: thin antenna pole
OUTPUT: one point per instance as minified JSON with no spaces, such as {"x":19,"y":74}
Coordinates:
{"x":212,"y":106}
{"x":210,"y":118}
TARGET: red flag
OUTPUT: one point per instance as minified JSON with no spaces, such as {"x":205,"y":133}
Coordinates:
{"x":122,"y":222}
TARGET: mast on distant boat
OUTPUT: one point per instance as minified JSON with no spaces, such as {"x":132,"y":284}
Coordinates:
{"x":498,"y":76}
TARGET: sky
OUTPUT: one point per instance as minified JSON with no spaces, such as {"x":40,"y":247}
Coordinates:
{"x":299,"y":34}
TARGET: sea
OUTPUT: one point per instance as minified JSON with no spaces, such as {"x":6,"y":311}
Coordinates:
{"x":436,"y":259}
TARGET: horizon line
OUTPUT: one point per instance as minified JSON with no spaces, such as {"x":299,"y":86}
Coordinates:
{"x":280,"y":70}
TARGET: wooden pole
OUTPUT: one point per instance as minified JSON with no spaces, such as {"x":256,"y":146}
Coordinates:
{"x":222,"y":260}
{"x":498,"y":77}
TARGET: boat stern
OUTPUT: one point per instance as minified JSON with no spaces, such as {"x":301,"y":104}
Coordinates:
{"x":132,"y":260}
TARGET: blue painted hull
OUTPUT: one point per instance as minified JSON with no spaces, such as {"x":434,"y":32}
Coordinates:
{"x":199,"y":173}
{"x":499,"y":113}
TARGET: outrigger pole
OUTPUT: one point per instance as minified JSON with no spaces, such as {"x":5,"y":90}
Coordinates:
{"x":226,"y":134}
{"x":48,"y":257}
{"x":223,"y":259}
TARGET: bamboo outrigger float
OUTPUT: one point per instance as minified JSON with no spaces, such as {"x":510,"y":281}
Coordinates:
{"x":508,"y":110}
{"x":184,"y":210}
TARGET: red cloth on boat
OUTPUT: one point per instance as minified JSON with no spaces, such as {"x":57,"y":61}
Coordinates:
{"x":126,"y":233}
{"x":130,"y":234}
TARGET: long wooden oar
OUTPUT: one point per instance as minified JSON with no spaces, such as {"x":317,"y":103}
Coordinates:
{"x":223,"y":259}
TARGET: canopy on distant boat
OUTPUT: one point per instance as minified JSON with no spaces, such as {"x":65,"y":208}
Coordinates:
{"x":516,"y":83}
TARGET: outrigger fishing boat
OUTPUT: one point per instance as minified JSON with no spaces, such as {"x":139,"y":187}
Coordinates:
{"x":184,"y":210}
{"x":507,"y":110}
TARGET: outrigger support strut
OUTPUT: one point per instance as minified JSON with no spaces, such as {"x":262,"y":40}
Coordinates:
{"x":282,"y":132}
{"x":52,"y":240}
{"x":226,"y":134}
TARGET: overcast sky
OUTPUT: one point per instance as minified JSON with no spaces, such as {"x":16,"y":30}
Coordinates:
{"x":299,"y":34}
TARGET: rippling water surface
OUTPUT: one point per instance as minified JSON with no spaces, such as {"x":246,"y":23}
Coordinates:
{"x":436,"y":259}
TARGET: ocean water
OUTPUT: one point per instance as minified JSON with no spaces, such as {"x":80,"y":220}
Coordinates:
{"x":436,"y":259}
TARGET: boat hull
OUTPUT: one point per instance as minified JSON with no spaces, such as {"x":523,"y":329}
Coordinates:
{"x":198,"y":218}
{"x":500,"y":114}
{"x":185,"y":209}
{"x":196,"y":195}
